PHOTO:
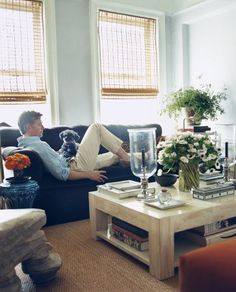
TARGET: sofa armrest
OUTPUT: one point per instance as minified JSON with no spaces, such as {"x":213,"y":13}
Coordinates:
{"x":36,"y":169}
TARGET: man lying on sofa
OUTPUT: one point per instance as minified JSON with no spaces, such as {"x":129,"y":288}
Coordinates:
{"x":86,"y":163}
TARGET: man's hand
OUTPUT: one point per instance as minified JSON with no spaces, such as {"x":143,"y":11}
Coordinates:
{"x":98,"y":175}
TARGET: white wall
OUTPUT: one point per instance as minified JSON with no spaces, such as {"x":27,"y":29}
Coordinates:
{"x":209,"y":28}
{"x":204,"y":43}
{"x":74,"y":62}
{"x":212,"y":47}
{"x":73,"y":100}
{"x":78,"y":101}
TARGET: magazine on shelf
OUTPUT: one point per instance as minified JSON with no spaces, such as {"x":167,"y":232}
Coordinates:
{"x":123,"y":189}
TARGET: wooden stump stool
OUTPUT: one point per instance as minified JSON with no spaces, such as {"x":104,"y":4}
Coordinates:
{"x":22,"y":241}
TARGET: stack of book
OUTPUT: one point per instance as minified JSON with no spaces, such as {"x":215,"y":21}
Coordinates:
{"x":129,"y":234}
{"x":212,"y":233}
{"x":123,"y":189}
{"x":195,"y":128}
{"x":211,"y":179}
{"x":200,"y":129}
{"x":214,"y":191}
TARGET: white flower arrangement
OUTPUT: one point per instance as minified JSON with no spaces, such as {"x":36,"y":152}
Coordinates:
{"x":186,"y":148}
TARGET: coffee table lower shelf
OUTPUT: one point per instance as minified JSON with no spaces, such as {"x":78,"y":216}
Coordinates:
{"x":181,"y":246}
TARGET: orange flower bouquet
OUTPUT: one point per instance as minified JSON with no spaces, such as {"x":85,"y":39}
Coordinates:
{"x":17,"y":162}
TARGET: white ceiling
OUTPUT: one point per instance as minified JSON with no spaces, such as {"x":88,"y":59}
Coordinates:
{"x":178,"y":5}
{"x":168,"y":6}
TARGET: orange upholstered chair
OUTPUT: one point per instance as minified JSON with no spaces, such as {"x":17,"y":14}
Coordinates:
{"x":209,"y":269}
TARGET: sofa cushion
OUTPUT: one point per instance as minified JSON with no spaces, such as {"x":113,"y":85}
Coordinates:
{"x":51,"y":136}
{"x":113,"y":173}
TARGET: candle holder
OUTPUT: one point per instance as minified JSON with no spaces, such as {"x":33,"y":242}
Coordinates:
{"x":226,"y":163}
{"x":226,"y":135}
{"x":143,"y":158}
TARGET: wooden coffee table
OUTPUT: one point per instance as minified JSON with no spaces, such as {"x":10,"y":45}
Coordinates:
{"x":164,"y":250}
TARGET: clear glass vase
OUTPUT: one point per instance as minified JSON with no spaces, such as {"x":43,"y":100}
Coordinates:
{"x":143,"y":158}
{"x":188,"y":176}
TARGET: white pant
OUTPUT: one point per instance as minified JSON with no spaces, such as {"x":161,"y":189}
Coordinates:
{"x":87,"y":157}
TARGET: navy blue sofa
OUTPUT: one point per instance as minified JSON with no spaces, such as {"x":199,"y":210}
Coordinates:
{"x":65,"y":201}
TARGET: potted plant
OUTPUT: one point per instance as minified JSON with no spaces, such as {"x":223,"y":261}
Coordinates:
{"x":202,"y":103}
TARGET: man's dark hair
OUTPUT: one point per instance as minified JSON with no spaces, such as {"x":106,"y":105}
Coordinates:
{"x":27,"y":118}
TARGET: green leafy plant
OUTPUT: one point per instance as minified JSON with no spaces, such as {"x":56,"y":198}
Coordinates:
{"x":204,"y":103}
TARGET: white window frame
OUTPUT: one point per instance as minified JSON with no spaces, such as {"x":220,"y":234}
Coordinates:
{"x":51,"y":60}
{"x":23,"y":74}
{"x":95,"y":5}
{"x":50,"y":109}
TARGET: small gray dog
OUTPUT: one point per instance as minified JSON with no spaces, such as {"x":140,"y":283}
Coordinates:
{"x":69,"y":147}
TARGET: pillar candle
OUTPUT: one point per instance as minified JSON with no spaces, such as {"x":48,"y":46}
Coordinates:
{"x":226,"y":149}
{"x":143,"y":158}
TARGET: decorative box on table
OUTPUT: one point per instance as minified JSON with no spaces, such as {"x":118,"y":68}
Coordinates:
{"x":214,"y":191}
{"x":20,"y":194}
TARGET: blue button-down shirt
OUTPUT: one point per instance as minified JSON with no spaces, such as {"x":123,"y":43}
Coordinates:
{"x":55,"y":163}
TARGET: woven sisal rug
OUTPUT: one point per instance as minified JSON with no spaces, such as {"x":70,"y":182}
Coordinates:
{"x":90,"y":265}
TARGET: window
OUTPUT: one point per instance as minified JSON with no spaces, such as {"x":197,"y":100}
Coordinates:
{"x":22,"y":56}
{"x":128,"y":57}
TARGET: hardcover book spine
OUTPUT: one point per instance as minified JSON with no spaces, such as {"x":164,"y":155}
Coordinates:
{"x":215,"y":227}
{"x":213,"y":189}
{"x":206,"y":183}
{"x":128,"y":233}
{"x":141,"y":246}
{"x":129,"y":227}
{"x":219,"y":236}
{"x":117,"y":193}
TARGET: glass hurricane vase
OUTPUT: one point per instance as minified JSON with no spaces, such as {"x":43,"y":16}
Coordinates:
{"x":188,"y":176}
{"x":143,"y":158}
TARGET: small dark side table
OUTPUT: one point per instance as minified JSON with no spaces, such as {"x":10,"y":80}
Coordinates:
{"x":19,"y":195}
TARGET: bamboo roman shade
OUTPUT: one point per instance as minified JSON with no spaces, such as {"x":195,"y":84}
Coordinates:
{"x":128,"y":55}
{"x":22,"y":57}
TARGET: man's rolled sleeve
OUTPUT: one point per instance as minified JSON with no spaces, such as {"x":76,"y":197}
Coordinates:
{"x":55,"y":163}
